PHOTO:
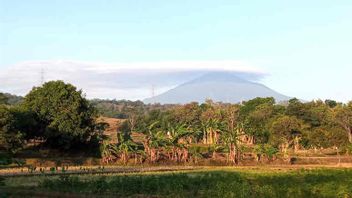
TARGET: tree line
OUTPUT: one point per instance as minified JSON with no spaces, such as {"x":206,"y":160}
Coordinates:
{"x":62,"y":118}
{"x":259,"y":125}
{"x":123,"y":109}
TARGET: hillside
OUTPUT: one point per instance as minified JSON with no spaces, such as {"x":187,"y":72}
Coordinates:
{"x":10,"y":98}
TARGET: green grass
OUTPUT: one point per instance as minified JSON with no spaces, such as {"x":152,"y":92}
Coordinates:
{"x":222,"y":182}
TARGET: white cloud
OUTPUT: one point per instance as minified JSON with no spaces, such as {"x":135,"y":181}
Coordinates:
{"x":119,"y":80}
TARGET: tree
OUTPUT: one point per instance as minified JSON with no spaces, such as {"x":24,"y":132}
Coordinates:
{"x":125,"y":146}
{"x":65,"y":118}
{"x":179,"y":138}
{"x":108,"y":151}
{"x":256,"y":115}
{"x":154,"y":142}
{"x":11,"y":138}
{"x":343,"y":116}
{"x":287,"y":130}
{"x":331,"y":103}
{"x":296,"y":108}
{"x":326,"y":137}
{"x":211,"y":118}
{"x":232,"y":132}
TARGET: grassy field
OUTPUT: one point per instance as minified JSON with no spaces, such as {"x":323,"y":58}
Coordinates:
{"x":211,"y":182}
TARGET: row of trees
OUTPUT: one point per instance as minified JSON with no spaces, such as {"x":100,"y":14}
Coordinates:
{"x":123,"y":109}
{"x":59,"y":116}
{"x":259,"y":124}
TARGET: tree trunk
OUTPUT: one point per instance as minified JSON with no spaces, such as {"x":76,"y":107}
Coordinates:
{"x":349,"y":135}
{"x":283,"y":148}
{"x":296,"y":144}
{"x":205,"y":137}
{"x":234,"y":154}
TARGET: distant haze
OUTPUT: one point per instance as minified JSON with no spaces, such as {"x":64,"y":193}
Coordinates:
{"x":132,"y":81}
{"x":219,"y":87}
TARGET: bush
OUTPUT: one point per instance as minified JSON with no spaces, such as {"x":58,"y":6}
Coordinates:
{"x":5,"y":159}
{"x":270,"y":151}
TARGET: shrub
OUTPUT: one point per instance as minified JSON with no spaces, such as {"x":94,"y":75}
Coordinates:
{"x":5,"y":159}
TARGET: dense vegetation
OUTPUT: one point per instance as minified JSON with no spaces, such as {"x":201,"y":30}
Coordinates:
{"x":123,"y":109}
{"x":207,"y":183}
{"x":59,"y":117}
{"x":259,"y":126}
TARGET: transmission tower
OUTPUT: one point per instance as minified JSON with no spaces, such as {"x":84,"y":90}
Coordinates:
{"x":153,"y":93}
{"x":42,"y":76}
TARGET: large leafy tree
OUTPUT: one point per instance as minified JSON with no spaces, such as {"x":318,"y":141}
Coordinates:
{"x":343,"y":116}
{"x":11,"y":138}
{"x":287,"y":130}
{"x":65,"y":118}
{"x":256,"y":115}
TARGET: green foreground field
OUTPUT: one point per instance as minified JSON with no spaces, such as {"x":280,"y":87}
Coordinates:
{"x":210,"y":182}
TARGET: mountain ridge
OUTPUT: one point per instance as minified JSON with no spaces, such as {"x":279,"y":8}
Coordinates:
{"x":218,"y":86}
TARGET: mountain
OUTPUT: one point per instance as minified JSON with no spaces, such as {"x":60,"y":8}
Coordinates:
{"x":10,"y":99}
{"x":218,"y":86}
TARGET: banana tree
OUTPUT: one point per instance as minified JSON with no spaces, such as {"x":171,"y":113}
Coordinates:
{"x":195,"y":155}
{"x":232,"y":139}
{"x":179,"y":139}
{"x":211,"y":124}
{"x":109,"y":152}
{"x":125,"y":147}
{"x":154,"y":142}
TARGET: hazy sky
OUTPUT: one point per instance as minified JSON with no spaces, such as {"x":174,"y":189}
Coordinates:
{"x":303,"y":47}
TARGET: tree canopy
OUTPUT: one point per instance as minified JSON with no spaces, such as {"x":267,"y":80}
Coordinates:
{"x":65,"y":118}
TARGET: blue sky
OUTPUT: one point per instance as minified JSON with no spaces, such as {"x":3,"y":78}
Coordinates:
{"x":304,"y":47}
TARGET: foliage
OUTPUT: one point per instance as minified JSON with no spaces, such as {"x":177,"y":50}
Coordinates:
{"x":5,"y":159}
{"x":123,"y":109}
{"x":256,"y":115}
{"x":11,"y":138}
{"x":58,"y":115}
{"x":343,"y":116}
{"x":65,"y":118}
{"x":286,"y":128}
